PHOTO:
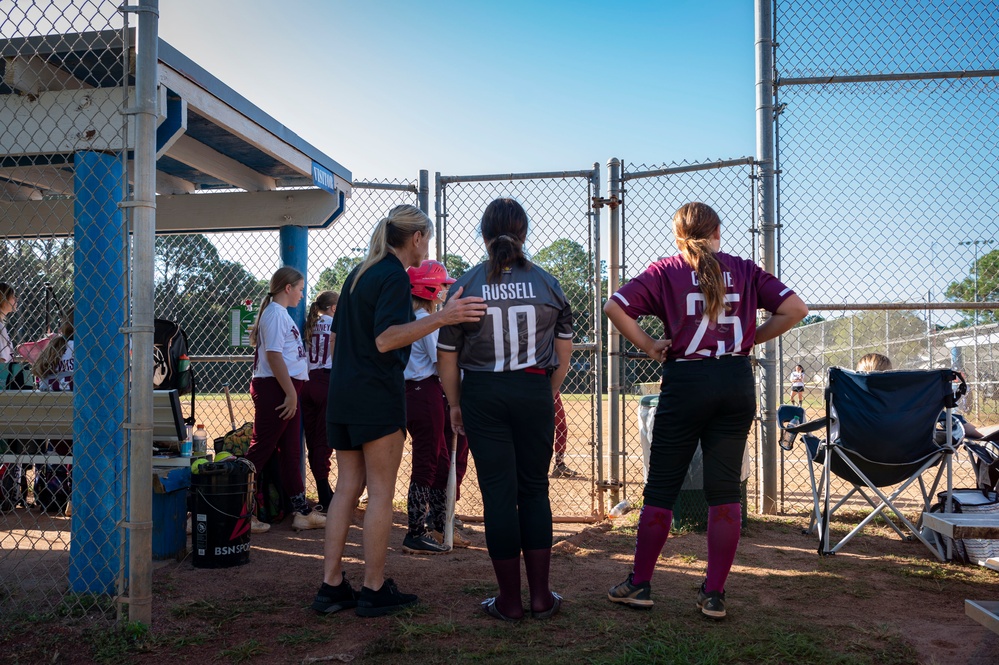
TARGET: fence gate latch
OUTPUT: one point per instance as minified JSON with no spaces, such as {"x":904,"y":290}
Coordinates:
{"x":612,"y":202}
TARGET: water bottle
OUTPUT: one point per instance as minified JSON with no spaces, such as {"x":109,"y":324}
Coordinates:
{"x":200,"y":441}
{"x":187,"y":444}
{"x":621,"y":509}
{"x":794,"y":422}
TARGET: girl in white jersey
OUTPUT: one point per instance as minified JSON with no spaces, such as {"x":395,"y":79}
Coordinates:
{"x":280,"y":369}
{"x":319,"y":347}
{"x":8,"y":303}
{"x":797,"y":384}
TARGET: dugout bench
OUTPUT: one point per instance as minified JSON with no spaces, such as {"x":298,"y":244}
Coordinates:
{"x":30,"y":417}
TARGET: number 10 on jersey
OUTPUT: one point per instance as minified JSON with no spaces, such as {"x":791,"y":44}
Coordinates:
{"x":520,"y":323}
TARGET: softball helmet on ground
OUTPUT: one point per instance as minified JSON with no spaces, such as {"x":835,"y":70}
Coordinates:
{"x":428,"y":279}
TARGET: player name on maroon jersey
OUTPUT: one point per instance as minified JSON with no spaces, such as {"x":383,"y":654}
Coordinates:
{"x":511,"y":291}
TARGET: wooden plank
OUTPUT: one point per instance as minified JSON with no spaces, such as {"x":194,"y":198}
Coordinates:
{"x":53,"y":178}
{"x":964,"y":525}
{"x":35,"y":459}
{"x":195,"y":213}
{"x":233,"y":121}
{"x":198,"y":155}
{"x":985,"y":612}
{"x":35,"y":75}
{"x":32,"y":415}
{"x":64,"y":121}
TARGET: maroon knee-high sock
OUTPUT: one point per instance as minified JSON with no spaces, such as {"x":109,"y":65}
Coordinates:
{"x":537,"y":563}
{"x":508,"y":577}
{"x":724,"y":526}
{"x":653,"y":528}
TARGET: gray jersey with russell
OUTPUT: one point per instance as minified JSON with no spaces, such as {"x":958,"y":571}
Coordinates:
{"x":526,"y":311}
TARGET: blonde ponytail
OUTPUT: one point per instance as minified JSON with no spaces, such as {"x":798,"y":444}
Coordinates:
{"x":393,"y":230}
{"x":281,"y":278}
{"x":693,"y":225}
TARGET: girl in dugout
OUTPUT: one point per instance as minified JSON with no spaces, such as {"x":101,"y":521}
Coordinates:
{"x":707,"y":301}
{"x":513,"y":364}
{"x":280,"y":369}
{"x":319,"y":347}
{"x":426,"y":422}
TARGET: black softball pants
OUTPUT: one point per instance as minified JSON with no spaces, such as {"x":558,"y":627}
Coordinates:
{"x":510,"y":423}
{"x":712,"y":401}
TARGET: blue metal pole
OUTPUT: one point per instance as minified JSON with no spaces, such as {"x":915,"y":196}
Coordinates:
{"x":97,"y":547}
{"x":295,"y":253}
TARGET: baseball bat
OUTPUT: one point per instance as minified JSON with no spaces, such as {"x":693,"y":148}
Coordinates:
{"x":452,"y":490}
{"x":228,"y":401}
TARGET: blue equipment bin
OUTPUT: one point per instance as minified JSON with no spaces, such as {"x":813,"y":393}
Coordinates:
{"x":170,"y":486}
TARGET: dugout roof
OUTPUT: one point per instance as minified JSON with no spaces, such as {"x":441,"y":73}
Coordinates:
{"x":211,"y":141}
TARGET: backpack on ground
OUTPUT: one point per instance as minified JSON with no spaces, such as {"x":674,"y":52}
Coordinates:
{"x":11,"y":494}
{"x":53,"y":487}
{"x":171,"y":362}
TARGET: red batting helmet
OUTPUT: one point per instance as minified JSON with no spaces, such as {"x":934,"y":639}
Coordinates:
{"x":428,"y":279}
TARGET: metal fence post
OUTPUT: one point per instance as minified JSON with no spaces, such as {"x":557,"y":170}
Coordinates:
{"x":765,"y":155}
{"x":598,"y":334}
{"x":140,"y":518}
{"x":614,"y":337}
{"x":423,"y":193}
{"x":438,"y":214}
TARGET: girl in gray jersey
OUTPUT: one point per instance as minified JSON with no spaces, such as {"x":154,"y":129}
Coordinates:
{"x":514,"y":361}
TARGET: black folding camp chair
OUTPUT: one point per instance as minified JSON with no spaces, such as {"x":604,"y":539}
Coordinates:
{"x":880,"y":432}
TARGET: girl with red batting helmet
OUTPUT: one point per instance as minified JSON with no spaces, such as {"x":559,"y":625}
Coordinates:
{"x":513,"y":364}
{"x":707,"y":301}
{"x":425,"y":418}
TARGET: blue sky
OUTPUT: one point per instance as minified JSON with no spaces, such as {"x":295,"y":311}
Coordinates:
{"x":387,"y":88}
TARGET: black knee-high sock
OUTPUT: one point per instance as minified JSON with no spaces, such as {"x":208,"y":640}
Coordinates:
{"x":325,"y":492}
{"x":438,"y":509}
{"x":417,"y":505}
{"x":299,"y":504}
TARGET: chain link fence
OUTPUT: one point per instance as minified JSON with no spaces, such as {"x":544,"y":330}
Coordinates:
{"x":886,"y":148}
{"x":651,"y":195}
{"x":561,"y":241}
{"x":66,"y":78}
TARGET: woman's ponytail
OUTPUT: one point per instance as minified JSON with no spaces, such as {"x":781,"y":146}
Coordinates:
{"x":694,"y":224}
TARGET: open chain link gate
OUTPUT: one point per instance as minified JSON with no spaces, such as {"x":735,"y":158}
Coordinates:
{"x":649,"y":195}
{"x":564,"y":240}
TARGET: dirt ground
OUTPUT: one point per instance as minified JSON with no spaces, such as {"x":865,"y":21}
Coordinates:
{"x":258,"y":613}
{"x":878,"y":584}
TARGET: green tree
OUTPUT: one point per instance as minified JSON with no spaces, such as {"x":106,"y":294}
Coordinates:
{"x":456,"y":265}
{"x":572,"y":266}
{"x":333,"y":278}
{"x":197,"y":288}
{"x":809,"y":320}
{"x":984,"y":275}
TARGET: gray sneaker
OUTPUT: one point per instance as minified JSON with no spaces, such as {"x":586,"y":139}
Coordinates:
{"x":712,"y":603}
{"x":424,"y":543}
{"x":635,"y":596}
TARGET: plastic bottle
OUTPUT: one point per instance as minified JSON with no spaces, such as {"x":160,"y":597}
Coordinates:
{"x":621,"y":509}
{"x":187,"y":445}
{"x":200,"y":441}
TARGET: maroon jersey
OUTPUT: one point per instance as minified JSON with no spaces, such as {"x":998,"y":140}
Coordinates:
{"x":669,"y":290}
